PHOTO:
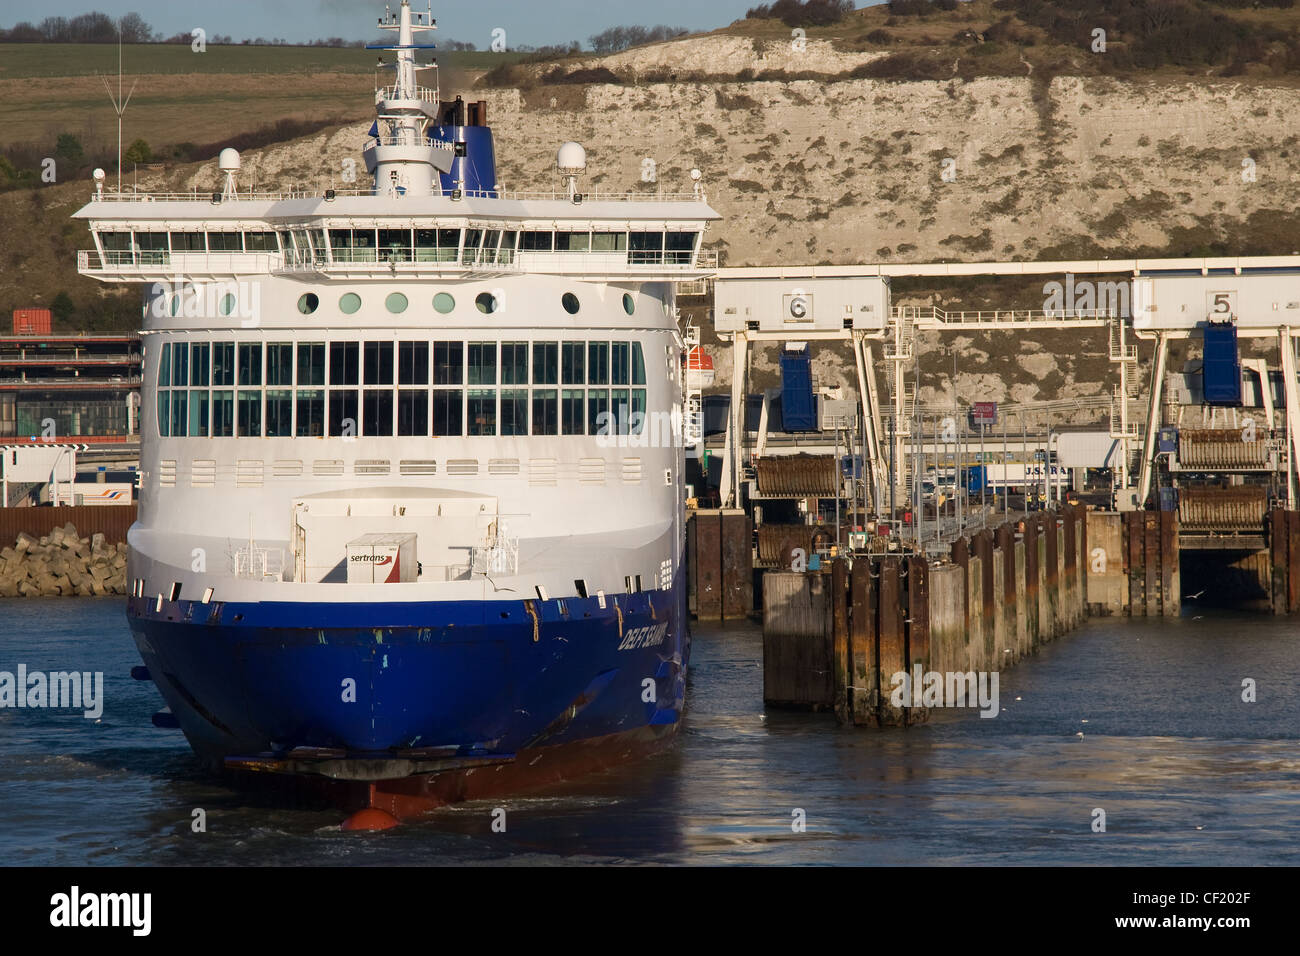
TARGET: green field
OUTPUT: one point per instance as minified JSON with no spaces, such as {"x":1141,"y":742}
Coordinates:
{"x":34,"y":60}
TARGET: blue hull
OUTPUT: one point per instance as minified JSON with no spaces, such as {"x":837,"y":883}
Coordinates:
{"x":473,"y":678}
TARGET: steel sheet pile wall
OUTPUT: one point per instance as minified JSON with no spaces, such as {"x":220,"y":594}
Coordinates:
{"x":1284,"y":551}
{"x":1222,"y":448}
{"x":719,"y":557}
{"x":810,"y":476}
{"x":835,"y":641}
{"x":112,"y":523}
{"x":1235,"y":508}
{"x":1151,"y":563}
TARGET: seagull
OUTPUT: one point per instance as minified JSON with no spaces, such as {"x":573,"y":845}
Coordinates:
{"x":1193,"y":597}
{"x":1079,"y":735}
{"x":1017,"y":698}
{"x":1084,"y":721}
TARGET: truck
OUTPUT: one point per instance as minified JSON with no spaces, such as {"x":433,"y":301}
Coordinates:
{"x":1014,"y":477}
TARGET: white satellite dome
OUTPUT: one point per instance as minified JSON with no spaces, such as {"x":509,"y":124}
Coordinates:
{"x":99,"y":175}
{"x":228,"y":161}
{"x":571,"y":156}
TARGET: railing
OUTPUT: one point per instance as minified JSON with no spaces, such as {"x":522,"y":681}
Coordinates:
{"x":260,"y":563}
{"x":92,"y":261}
{"x":409,"y":138}
{"x":1003,"y":318}
{"x":197,"y":195}
{"x":422,"y":93}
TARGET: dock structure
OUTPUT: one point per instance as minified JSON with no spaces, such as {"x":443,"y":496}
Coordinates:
{"x":1203,"y":459}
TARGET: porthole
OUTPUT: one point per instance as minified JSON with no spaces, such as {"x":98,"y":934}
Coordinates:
{"x":227,"y":304}
{"x":486,"y":302}
{"x":629,"y":303}
{"x":443,"y":302}
{"x":308,"y":303}
{"x":396,"y":302}
{"x":349,"y":303}
{"x":570,"y":303}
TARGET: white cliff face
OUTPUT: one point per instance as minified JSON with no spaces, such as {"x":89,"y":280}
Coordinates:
{"x":863,"y":171}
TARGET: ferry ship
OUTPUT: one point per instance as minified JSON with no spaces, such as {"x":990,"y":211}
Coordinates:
{"x":411,"y":512}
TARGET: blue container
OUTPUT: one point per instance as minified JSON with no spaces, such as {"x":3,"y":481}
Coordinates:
{"x":1168,"y":499}
{"x":1167,"y":440}
{"x":1222,"y":369}
{"x":798,"y":404}
{"x":478,"y":166}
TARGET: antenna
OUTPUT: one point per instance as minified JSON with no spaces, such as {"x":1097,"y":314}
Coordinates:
{"x":119,"y":104}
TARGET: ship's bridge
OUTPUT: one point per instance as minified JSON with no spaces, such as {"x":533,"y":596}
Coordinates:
{"x":646,"y":237}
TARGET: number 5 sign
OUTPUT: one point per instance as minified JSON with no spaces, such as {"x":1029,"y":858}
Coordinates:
{"x":1220,"y":306}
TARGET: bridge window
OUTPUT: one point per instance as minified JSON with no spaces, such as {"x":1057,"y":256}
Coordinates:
{"x":311,"y":363}
{"x":378,"y":363}
{"x":261,"y":242}
{"x":188,"y":242}
{"x":571,"y":412}
{"x":598,"y":363}
{"x":437,"y":245}
{"x":395,"y":245}
{"x":545,"y":412}
{"x":514,"y":411}
{"x":608,"y":241}
{"x":344,"y":363}
{"x":342,"y":412}
{"x":377,"y":413}
{"x":225,"y":242}
{"x":482,"y":411}
{"x":619,"y":363}
{"x":448,"y":363}
{"x":646,"y":248}
{"x":638,"y":364}
{"x":572,"y":241}
{"x":536,"y":241}
{"x":413,"y":363}
{"x":223,"y":363}
{"x":482,"y":363}
{"x":546,"y":363}
{"x":571,"y":363}
{"x":223,"y":414}
{"x":448,"y":415}
{"x":279,"y":363}
{"x":200,"y":356}
{"x":279,"y":413}
{"x":199,"y":413}
{"x":679,"y":247}
{"x":514,"y":363}
{"x":413,"y":412}
{"x":250,"y":413}
{"x":311,"y":413}
{"x":250,"y":363}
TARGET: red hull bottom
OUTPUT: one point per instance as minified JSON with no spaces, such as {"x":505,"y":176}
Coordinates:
{"x":373,"y":805}
{"x":409,"y":797}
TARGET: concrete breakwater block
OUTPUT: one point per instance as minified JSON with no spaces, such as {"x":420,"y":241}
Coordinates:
{"x":62,"y":563}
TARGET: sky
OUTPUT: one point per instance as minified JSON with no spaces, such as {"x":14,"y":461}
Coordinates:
{"x":526,"y":22}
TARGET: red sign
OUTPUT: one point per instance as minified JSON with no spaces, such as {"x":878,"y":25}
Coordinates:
{"x":984,"y":413}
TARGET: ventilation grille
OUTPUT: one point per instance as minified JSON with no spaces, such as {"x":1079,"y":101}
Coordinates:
{"x":418,"y":467}
{"x":327,"y":467}
{"x":286,"y":468}
{"x":503,"y":466}
{"x":203,"y":473}
{"x":249,"y":474}
{"x":167,"y":474}
{"x":542,"y":472}
{"x":462,"y":466}
{"x":631,"y":471}
{"x":372,"y":466}
{"x":591,"y":471}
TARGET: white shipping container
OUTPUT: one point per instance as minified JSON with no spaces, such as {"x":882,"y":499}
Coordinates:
{"x":382,"y":559}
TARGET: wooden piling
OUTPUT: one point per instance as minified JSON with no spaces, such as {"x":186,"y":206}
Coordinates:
{"x":917,"y":631}
{"x":1278,"y":553}
{"x":1133,"y":564}
{"x":1170,"y":580}
{"x":1151,"y":560}
{"x":737,"y":566}
{"x":841,"y":677}
{"x":708,"y":564}
{"x":1052,"y":578}
{"x":892,"y":641}
{"x":1069,"y":566}
{"x":865,"y":669}
{"x":1293,"y":561}
{"x":1031,"y":583}
{"x":797,"y":644}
